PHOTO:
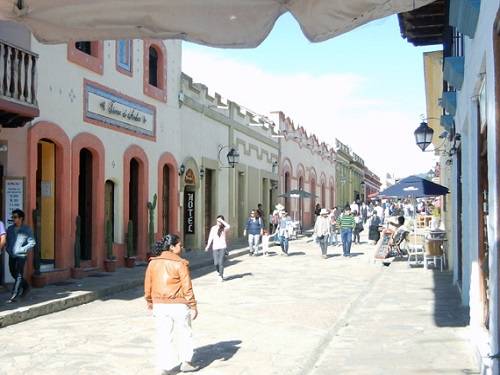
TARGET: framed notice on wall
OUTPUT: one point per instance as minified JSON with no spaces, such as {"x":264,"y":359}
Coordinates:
{"x":14,"y":197}
{"x":189,"y":212}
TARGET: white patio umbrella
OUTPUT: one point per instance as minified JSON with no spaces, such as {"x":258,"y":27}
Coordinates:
{"x":221,"y":23}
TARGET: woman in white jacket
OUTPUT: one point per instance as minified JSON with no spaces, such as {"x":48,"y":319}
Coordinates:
{"x":217,"y":238}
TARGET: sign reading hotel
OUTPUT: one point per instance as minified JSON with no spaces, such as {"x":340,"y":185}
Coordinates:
{"x":189,"y":212}
{"x":106,"y":107}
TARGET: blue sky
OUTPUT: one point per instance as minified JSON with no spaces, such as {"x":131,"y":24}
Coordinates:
{"x":367,"y":85}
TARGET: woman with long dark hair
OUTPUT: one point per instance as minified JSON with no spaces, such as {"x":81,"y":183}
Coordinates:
{"x":169,"y":293}
{"x":217,"y":238}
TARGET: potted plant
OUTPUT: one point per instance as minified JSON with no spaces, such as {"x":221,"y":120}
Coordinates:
{"x":110,"y":261}
{"x":77,"y":272}
{"x":151,"y":230}
{"x":130,"y":258}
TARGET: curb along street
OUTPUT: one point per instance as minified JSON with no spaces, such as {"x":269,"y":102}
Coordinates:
{"x":76,"y":292}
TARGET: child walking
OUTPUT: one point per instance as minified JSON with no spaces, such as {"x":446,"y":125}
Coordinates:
{"x":265,"y":241}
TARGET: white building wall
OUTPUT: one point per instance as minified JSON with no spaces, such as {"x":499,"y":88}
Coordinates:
{"x":61,"y":101}
{"x":479,"y":64}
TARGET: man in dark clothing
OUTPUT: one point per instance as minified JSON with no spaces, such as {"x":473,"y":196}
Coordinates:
{"x":317,"y":210}
{"x":20,"y":241}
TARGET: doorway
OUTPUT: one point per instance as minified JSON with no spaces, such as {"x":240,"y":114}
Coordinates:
{"x":165,"y":200}
{"x":133,"y":201}
{"x":209,"y":180}
{"x":85,"y":204}
{"x":483,"y":215}
{"x":45,"y":201}
{"x":242,"y":215}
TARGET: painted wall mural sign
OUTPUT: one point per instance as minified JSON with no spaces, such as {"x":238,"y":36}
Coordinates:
{"x":189,"y":212}
{"x":107,"y":107}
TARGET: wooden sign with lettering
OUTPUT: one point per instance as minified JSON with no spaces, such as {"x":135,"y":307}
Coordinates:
{"x":383,"y":244}
{"x":189,"y":178}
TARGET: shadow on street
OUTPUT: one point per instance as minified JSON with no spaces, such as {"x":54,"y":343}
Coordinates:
{"x":448,"y":308}
{"x":224,"y":350}
{"x":238,"y":276}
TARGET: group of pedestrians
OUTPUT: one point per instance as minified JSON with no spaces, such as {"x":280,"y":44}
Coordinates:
{"x":280,"y":228}
{"x":168,"y":287}
{"x":18,"y":240}
{"x":326,"y":226}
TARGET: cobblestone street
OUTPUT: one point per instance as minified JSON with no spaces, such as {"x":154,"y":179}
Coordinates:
{"x":274,"y":315}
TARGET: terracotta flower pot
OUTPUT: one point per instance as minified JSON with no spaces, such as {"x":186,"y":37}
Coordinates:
{"x":129,"y":262}
{"x":38,"y":281}
{"x":109,"y":265}
{"x":77,"y":273}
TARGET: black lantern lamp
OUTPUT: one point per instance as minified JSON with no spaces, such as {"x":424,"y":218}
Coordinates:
{"x":423,"y":135}
{"x":233,"y":157}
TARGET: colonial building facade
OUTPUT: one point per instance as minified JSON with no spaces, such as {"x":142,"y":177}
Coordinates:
{"x":123,"y":148}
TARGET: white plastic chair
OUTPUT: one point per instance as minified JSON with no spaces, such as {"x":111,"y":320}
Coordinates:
{"x":415,"y":246}
{"x":433,"y":252}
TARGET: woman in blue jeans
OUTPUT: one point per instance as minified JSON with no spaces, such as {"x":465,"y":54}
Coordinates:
{"x":284,"y":228}
{"x":254,"y":229}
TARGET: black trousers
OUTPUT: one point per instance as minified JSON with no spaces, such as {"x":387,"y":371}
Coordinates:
{"x":16,"y":268}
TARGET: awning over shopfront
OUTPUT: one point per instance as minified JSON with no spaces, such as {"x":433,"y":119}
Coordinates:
{"x":221,"y":23}
{"x":464,"y":15}
{"x":449,"y":102}
{"x":453,"y":71}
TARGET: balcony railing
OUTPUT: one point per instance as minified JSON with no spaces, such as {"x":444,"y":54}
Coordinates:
{"x":18,"y":75}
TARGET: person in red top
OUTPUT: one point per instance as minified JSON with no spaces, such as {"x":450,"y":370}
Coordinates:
{"x":169,"y":293}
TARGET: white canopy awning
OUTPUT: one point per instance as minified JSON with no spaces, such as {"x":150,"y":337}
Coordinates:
{"x":220,"y":23}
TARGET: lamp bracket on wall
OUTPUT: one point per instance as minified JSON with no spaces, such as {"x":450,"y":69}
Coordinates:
{"x":424,"y":134}
{"x":232,"y":157}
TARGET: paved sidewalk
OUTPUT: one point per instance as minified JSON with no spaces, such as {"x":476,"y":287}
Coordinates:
{"x":74,"y":292}
{"x":409,"y":321}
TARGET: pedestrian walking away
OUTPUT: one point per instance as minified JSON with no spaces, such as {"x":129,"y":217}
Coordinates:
{"x":358,"y":228}
{"x":20,"y":241}
{"x":347,"y":224}
{"x":322,"y":231}
{"x":254,"y":228}
{"x":317,"y":209}
{"x":169,"y":294}
{"x":260,"y":214}
{"x":217,"y":239}
{"x":374,"y":226}
{"x":284,"y":229}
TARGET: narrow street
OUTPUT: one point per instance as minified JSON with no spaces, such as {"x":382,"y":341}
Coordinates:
{"x":274,"y":315}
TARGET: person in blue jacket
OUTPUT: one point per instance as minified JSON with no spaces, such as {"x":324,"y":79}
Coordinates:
{"x":253,"y":227}
{"x":20,"y":241}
